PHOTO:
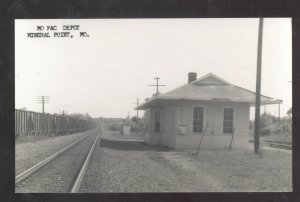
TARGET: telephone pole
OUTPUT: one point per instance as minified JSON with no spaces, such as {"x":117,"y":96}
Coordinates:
{"x":258,"y":86}
{"x":157,"y":85}
{"x":137,"y":104}
{"x":278,"y":114}
{"x":44,"y":100}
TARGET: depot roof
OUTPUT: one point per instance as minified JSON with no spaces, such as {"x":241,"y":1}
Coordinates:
{"x":209,"y":88}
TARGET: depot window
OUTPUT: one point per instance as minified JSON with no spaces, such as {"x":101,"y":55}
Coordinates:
{"x":198,"y":119}
{"x":228,"y":120}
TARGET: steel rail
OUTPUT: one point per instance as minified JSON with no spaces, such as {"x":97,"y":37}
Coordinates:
{"x":80,"y":177}
{"x":34,"y":168}
{"x":275,"y":143}
{"x":279,"y":144}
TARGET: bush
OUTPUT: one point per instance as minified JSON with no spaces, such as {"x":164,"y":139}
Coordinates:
{"x":265,"y":132}
{"x":138,"y":125}
{"x":267,"y":120}
{"x":115,"y":127}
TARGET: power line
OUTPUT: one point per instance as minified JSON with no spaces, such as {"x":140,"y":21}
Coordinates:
{"x":43,"y":100}
{"x":157,"y":85}
{"x":137,"y":104}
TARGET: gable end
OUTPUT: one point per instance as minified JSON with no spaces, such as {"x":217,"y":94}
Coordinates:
{"x":210,"y":80}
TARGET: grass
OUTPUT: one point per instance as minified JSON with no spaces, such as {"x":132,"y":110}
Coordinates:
{"x":235,"y":170}
{"x":31,"y":138}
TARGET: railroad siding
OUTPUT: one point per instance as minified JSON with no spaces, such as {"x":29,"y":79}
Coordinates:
{"x":27,"y":122}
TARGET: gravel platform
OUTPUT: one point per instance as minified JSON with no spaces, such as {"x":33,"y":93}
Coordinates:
{"x":59,"y":175}
{"x":113,"y":170}
{"x":30,"y":153}
{"x":153,"y":169}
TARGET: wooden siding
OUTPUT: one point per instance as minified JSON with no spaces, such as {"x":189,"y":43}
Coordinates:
{"x":182,"y":114}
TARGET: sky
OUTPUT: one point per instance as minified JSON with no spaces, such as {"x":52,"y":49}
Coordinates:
{"x":105,"y":73}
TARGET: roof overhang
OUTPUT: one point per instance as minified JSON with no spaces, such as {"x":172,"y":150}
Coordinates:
{"x":215,"y":90}
{"x":155,"y":101}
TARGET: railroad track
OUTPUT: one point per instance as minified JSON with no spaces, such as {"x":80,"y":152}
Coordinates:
{"x":61,"y":172}
{"x":278,"y":145}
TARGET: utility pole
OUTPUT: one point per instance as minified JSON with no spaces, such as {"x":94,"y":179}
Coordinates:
{"x":157,"y":78}
{"x":44,"y":100}
{"x":137,"y":104}
{"x":278,"y":114}
{"x":258,"y":86}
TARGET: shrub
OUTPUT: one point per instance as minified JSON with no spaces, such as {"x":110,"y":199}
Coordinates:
{"x":115,"y":127}
{"x":138,"y":125}
{"x":265,"y":132}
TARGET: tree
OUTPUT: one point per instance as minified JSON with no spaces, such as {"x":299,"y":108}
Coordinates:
{"x":289,"y":112}
{"x":138,"y":125}
{"x":77,"y":115}
{"x":267,"y":124}
{"x":81,"y":116}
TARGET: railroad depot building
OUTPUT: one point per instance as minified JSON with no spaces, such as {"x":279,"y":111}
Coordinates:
{"x":179,"y":117}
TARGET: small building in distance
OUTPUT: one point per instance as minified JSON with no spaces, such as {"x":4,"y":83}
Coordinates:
{"x":179,"y":117}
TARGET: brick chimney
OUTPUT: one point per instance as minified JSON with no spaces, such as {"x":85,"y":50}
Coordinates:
{"x":192,"y":76}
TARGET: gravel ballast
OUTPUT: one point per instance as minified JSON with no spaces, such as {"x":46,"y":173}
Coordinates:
{"x":30,"y":153}
{"x":59,"y":175}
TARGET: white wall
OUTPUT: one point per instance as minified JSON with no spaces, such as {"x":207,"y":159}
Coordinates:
{"x":211,"y":142}
{"x":167,"y":133}
{"x":181,"y":114}
{"x":213,"y":114}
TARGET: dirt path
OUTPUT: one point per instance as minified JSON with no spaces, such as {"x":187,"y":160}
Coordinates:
{"x":204,"y":180}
